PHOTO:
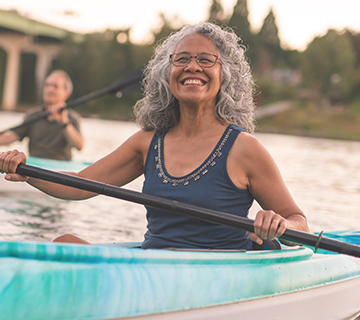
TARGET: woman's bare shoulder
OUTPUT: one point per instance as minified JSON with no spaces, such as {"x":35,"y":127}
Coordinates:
{"x":140,"y":134}
{"x":247,"y":144}
{"x":138,"y":142}
{"x":141,"y":137}
{"x":249,"y":152}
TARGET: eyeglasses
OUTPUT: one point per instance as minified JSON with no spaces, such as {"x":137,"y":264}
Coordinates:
{"x":204,"y":60}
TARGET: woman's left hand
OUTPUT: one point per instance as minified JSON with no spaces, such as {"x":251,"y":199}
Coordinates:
{"x":267,"y":225}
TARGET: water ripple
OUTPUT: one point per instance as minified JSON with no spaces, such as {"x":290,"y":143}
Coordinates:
{"x":322,"y":175}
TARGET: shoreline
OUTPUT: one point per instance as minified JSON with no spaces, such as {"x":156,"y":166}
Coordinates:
{"x":284,"y":117}
{"x":310,"y":120}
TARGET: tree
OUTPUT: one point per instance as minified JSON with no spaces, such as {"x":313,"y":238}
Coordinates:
{"x":96,"y":63}
{"x":269,"y":33}
{"x":355,"y":40}
{"x":240,"y":23}
{"x":269,"y":53}
{"x":216,"y":12}
{"x":329,"y":63}
{"x":166,"y":28}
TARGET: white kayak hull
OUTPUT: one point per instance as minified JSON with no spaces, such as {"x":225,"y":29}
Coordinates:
{"x":335,"y":301}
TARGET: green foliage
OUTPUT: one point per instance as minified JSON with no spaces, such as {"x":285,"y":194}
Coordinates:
{"x":291,"y":59}
{"x":308,"y":119}
{"x":216,"y":12}
{"x":99,"y":61}
{"x":355,"y":40}
{"x":329,"y":64}
{"x":355,"y":105}
{"x":269,"y":46}
{"x":239,"y":22}
{"x":269,"y":33}
{"x":268,"y":92}
{"x":239,"y":19}
{"x":166,"y":29}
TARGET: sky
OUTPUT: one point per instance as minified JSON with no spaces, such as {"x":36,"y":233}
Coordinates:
{"x":298,"y":21}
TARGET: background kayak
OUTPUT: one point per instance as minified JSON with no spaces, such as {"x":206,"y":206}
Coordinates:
{"x":58,"y":165}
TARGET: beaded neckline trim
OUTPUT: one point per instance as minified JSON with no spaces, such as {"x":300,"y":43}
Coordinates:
{"x":195,"y":175}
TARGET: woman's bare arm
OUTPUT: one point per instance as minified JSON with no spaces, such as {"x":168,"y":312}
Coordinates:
{"x":117,"y":168}
{"x":251,"y":166}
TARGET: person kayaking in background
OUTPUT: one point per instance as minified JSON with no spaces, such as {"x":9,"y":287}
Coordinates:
{"x":51,"y":137}
{"x":195,"y":146}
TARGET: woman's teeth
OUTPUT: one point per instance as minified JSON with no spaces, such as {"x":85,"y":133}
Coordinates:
{"x":193,"y":81}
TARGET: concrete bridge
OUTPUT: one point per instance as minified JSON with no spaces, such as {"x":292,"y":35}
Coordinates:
{"x":19,"y":35}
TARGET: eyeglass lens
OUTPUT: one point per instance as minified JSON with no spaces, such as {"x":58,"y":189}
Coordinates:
{"x":205,"y":60}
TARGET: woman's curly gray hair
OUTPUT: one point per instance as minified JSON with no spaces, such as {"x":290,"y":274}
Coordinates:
{"x":159,"y":109}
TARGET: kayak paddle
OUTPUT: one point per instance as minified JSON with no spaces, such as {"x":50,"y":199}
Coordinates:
{"x":128,"y":82}
{"x":303,"y":238}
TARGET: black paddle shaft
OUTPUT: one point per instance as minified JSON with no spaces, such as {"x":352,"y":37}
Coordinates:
{"x":209,"y":215}
{"x":123,"y":84}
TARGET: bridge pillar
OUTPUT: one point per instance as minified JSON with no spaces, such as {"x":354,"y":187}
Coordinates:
{"x":45,"y":54}
{"x":13,"y":45}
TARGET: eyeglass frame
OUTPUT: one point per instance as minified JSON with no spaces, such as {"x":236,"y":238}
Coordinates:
{"x":214,"y":55}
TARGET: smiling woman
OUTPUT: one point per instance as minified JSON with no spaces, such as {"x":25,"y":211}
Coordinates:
{"x":194,"y":80}
{"x":235,"y":99}
{"x":195,"y":147}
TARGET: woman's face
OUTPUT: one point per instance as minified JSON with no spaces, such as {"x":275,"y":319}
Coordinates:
{"x":192,"y":83}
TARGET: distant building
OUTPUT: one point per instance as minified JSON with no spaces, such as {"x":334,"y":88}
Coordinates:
{"x":19,"y":35}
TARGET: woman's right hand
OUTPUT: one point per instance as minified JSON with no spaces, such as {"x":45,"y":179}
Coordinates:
{"x":9,"y":161}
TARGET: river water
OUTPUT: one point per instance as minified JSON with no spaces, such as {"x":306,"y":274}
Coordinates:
{"x":322,"y":175}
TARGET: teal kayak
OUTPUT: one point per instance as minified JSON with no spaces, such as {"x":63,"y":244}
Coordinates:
{"x":57,"y":164}
{"x":121,"y":281}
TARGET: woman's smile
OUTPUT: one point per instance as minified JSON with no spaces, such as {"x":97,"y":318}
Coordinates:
{"x":192,"y":83}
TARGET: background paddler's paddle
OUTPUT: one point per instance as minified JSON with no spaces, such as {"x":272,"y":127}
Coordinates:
{"x":128,"y":82}
{"x":316,"y":241}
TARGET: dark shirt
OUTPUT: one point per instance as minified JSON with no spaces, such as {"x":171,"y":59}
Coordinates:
{"x":47,"y":139}
{"x":208,"y":186}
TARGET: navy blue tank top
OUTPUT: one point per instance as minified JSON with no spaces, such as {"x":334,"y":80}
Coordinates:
{"x":208,"y":186}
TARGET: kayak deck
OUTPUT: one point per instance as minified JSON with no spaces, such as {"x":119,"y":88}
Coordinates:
{"x":58,"y":281}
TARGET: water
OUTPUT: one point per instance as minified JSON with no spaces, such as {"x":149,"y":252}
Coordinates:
{"x":322,"y":175}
